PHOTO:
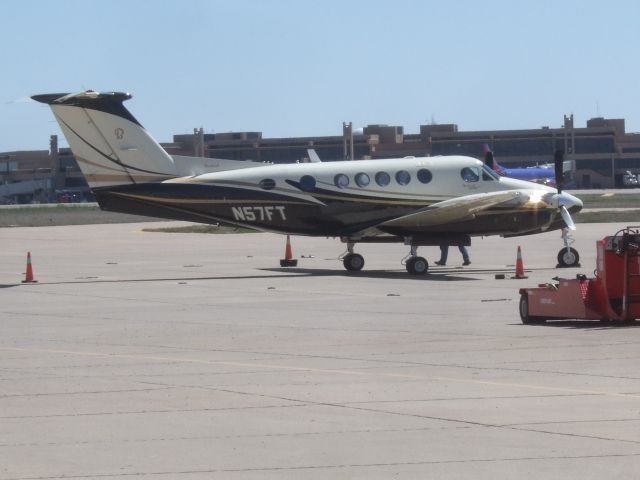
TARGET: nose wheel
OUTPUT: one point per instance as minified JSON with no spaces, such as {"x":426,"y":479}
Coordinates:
{"x":568,"y":256}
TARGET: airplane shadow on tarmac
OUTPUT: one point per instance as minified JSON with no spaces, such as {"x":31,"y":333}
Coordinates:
{"x":439,"y":275}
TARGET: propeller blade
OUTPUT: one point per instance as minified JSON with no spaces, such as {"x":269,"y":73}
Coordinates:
{"x":558,"y":157}
{"x":566,"y":216}
{"x":488,"y":159}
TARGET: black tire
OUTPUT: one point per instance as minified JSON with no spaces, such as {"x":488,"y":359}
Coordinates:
{"x":568,"y":257}
{"x":417,"y":266}
{"x":524,"y":312}
{"x":353,"y":262}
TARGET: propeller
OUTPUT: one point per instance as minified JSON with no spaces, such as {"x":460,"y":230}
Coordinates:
{"x":558,"y":158}
{"x":488,"y":157}
{"x":566,"y":216}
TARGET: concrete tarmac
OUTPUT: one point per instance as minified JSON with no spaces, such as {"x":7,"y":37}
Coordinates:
{"x":189,"y":356}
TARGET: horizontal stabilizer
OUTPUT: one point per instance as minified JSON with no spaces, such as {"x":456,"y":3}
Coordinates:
{"x":194,"y":166}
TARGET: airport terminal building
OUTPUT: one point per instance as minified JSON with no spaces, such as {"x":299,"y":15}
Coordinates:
{"x":602,"y":150}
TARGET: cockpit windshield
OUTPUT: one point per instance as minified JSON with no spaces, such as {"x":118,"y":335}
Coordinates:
{"x":489,"y":174}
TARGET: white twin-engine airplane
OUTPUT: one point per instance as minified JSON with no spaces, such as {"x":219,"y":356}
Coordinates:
{"x":416,"y":201}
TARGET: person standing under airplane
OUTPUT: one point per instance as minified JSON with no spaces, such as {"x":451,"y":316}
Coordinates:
{"x":444,"y":253}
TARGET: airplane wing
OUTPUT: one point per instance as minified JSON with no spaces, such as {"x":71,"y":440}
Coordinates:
{"x":453,"y":210}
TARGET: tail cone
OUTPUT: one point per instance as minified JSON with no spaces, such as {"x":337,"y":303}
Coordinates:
{"x":288,"y":260}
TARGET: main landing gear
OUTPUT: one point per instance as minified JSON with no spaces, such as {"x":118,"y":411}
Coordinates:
{"x":352,"y":261}
{"x":415,"y":265}
{"x":568,"y":256}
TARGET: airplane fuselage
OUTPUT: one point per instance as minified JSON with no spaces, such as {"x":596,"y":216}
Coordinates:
{"x":335,"y":199}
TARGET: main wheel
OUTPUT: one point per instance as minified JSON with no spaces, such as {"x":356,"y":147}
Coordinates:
{"x":568,"y":257}
{"x":524,"y":311}
{"x":353,"y":262}
{"x":417,"y":266}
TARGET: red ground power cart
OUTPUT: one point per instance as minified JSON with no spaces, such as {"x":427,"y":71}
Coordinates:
{"x":614,"y":293}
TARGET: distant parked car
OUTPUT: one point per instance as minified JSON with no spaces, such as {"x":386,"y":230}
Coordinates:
{"x":629,"y":180}
{"x":68,"y":197}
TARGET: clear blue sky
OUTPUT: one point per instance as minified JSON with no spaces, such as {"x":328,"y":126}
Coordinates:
{"x":301,"y":68}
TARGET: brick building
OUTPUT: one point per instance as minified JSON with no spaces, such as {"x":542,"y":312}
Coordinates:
{"x":602,"y":151}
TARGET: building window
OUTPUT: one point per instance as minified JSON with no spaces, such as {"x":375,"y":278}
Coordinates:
{"x":383,"y":179}
{"x":341,"y":180}
{"x":362,"y":179}
{"x":403,"y":177}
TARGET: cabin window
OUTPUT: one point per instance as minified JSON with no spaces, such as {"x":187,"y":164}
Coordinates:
{"x":362,"y":179}
{"x":267,"y":183}
{"x":341,"y":180}
{"x":470,"y":174}
{"x":307,"y":183}
{"x":403,"y":177}
{"x":383,"y":179}
{"x":424,"y":175}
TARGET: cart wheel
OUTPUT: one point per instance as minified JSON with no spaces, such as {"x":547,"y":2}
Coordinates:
{"x":524,"y":311}
{"x":568,"y":257}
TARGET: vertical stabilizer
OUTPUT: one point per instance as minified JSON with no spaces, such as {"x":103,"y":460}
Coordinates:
{"x":109,"y":144}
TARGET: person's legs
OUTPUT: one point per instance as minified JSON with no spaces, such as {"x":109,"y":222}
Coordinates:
{"x":444,"y":252}
{"x":465,"y":255}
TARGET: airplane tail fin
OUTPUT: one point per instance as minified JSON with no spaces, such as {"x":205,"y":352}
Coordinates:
{"x":109,"y":144}
{"x":491,"y":162}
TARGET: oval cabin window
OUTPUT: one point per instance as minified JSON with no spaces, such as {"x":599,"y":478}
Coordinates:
{"x":383,"y":179}
{"x":362,"y":179}
{"x":341,"y":180}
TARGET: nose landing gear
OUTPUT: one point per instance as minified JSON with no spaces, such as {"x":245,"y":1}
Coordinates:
{"x":568,"y":256}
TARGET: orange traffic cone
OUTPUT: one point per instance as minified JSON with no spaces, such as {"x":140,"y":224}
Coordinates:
{"x":29,"y":275}
{"x":519,"y":265}
{"x":288,"y":260}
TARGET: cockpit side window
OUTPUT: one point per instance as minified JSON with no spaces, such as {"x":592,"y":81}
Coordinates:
{"x":489,"y":174}
{"x":470,"y":174}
